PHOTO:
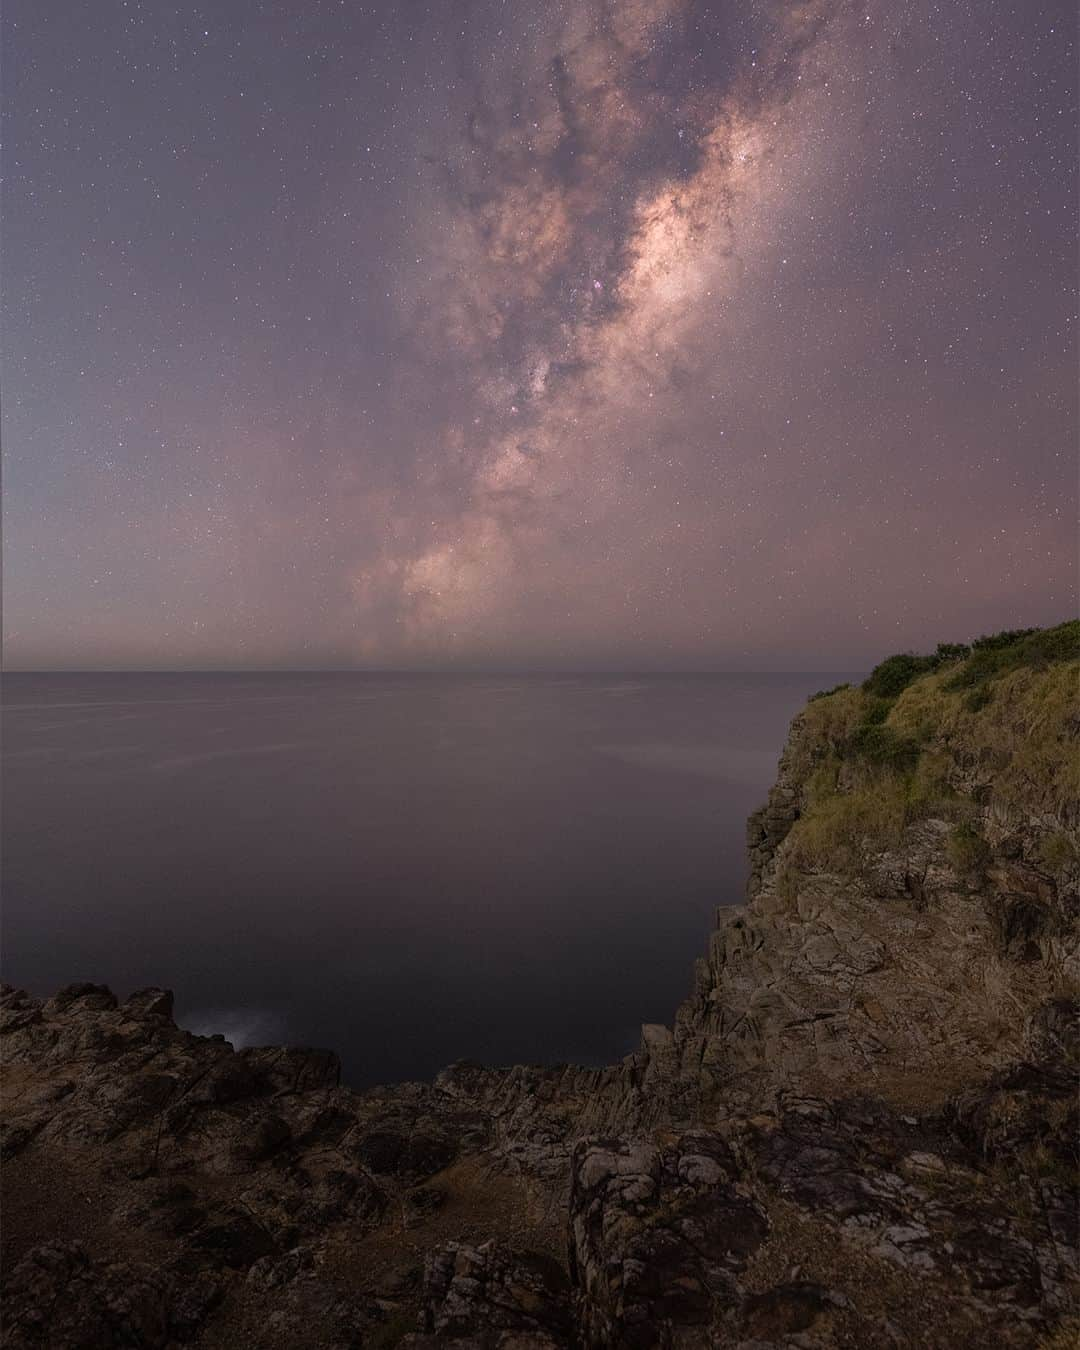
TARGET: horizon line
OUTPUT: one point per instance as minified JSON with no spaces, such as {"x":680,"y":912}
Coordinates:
{"x":412,"y":670}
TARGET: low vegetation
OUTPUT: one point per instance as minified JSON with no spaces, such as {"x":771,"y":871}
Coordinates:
{"x":968,"y":850}
{"x":831,"y":833}
{"x":982,"y":660}
{"x":991,"y":725}
{"x":882,"y":745}
{"x":1021,"y":744}
{"x":1034,"y":648}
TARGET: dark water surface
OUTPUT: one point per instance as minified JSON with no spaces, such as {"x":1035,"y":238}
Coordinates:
{"x":409,"y":869}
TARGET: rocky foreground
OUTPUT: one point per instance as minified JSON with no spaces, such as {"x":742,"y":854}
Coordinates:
{"x":861,"y":1130}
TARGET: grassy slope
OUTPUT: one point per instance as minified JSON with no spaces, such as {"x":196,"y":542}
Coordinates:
{"x":967,"y":733}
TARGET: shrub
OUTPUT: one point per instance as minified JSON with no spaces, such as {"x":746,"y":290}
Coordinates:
{"x":983,"y":665}
{"x":1038,"y":648}
{"x":968,"y":850}
{"x":877,"y":710}
{"x":986,"y":657}
{"x":828,"y":693}
{"x":1052,"y":644}
{"x":979,"y":697}
{"x":894,"y":674}
{"x":1008,"y":637}
{"x":883,"y":746}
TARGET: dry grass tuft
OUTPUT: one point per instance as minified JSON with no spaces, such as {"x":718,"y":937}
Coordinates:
{"x":835,"y":832}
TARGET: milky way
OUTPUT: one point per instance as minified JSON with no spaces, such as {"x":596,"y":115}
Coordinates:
{"x":656,"y":334}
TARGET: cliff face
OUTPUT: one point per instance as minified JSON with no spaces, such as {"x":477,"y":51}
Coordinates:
{"x":914,"y":889}
{"x":861,"y":1130}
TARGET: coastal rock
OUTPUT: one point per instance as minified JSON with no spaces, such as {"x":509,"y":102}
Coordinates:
{"x":860,"y":1129}
{"x":658,"y":1238}
{"x":493,"y":1296}
{"x":58,"y":1297}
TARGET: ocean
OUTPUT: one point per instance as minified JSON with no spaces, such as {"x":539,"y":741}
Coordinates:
{"x":408,"y":869}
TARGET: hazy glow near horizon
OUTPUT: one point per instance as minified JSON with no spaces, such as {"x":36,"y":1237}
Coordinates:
{"x":659,"y":334}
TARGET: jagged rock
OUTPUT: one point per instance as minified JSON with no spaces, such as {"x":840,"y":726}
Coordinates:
{"x":150,"y":1003}
{"x":491,"y":1295}
{"x":95,"y":997}
{"x":658,"y":1238}
{"x":270,"y":1272}
{"x":1023,"y":1108}
{"x":58,"y":1297}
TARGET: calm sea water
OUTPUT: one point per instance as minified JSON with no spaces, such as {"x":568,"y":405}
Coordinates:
{"x":409,"y":869}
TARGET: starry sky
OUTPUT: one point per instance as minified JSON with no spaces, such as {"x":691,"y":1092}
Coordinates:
{"x":581,"y":334}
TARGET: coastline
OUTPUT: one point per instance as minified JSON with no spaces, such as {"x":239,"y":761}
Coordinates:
{"x":859,"y":1129}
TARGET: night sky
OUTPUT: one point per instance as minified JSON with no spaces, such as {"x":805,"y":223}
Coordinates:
{"x":707,"y":334}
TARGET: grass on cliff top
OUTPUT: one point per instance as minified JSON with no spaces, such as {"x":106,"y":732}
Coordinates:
{"x":978,"y":661}
{"x":1023,"y":734}
{"x":904,"y":745}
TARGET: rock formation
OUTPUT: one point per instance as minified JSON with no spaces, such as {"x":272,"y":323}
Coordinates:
{"x":860,"y":1131}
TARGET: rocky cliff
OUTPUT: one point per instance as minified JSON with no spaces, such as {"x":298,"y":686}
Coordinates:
{"x":860,"y":1131}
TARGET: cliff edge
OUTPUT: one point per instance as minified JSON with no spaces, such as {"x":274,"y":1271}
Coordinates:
{"x":860,"y":1131}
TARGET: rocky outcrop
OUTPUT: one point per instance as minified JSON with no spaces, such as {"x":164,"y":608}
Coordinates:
{"x":861,"y":1129}
{"x":904,"y":922}
{"x":59,"y":1295}
{"x":659,"y":1238}
{"x":491,"y":1295}
{"x":770,"y":825}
